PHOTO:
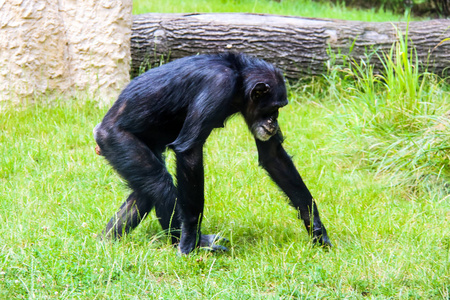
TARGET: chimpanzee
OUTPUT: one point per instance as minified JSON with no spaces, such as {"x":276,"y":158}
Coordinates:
{"x":176,"y":106}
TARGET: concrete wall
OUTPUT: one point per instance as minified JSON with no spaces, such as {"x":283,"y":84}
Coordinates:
{"x":64,"y":46}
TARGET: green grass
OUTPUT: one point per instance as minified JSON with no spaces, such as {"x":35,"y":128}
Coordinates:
{"x":56,"y":195}
{"x":304,"y":8}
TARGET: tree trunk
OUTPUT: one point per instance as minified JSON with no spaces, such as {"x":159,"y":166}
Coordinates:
{"x":50,"y":47}
{"x":299,"y":46}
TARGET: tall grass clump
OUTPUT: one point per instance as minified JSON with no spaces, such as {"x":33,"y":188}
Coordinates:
{"x":397,"y":116}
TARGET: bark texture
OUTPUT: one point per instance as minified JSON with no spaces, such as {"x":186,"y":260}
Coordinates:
{"x":49,"y":46}
{"x":299,"y":46}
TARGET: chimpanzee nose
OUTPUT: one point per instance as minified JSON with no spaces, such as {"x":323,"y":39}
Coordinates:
{"x":283,"y":102}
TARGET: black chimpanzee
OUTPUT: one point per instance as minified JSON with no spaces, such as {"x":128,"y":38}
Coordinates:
{"x":177,"y":106}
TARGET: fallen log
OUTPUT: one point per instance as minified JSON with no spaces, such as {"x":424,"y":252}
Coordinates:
{"x":299,"y":46}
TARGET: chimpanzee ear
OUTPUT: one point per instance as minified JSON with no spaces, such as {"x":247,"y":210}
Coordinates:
{"x":259,"y":89}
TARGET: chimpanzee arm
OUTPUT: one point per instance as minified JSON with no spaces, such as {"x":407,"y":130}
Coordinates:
{"x":209,"y":109}
{"x":274,"y":159}
{"x":190,"y":181}
{"x":190,"y":177}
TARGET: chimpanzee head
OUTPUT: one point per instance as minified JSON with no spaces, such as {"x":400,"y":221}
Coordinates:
{"x":265,"y":94}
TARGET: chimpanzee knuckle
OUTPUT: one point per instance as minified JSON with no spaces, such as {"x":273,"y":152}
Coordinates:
{"x":326,"y":241}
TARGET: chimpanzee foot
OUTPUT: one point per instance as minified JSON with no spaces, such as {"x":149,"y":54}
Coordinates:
{"x":322,"y":241}
{"x":208,"y":242}
{"x":320,"y":238}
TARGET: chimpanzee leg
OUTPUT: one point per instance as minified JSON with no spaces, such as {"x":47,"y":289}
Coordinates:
{"x":153,"y":186}
{"x":130,"y":214}
{"x":274,"y":159}
{"x":145,"y":173}
{"x":136,"y":208}
{"x":168,"y":216}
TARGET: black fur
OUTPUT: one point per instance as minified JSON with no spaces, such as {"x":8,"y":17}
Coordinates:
{"x":177,"y":106}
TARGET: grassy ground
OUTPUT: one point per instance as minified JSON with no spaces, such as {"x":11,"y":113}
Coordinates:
{"x":374,"y":151}
{"x":305,"y":8}
{"x":56,"y":194}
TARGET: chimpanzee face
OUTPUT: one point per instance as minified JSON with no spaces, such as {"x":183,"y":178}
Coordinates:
{"x":262,"y":113}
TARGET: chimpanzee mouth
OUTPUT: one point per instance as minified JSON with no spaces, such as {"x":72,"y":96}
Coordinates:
{"x":270,"y":129}
{"x":263,"y":134}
